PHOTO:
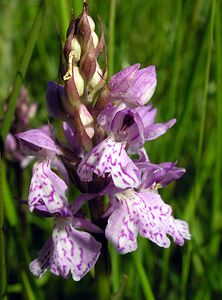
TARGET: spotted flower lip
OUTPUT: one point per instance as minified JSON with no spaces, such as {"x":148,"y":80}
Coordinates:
{"x":146,"y":214}
{"x":109,"y":157}
{"x":67,"y":251}
{"x":47,"y":191}
{"x":132,"y":85}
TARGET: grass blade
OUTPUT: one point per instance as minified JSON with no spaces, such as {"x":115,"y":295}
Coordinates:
{"x":111,"y":37}
{"x":217,"y":193}
{"x":3,"y":276}
{"x":193,"y":200}
{"x":63,"y":12}
{"x":143,"y":277}
{"x":22,"y":72}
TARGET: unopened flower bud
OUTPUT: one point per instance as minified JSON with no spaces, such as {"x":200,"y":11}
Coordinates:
{"x":84,"y":29}
{"x":53,"y":97}
{"x":79,"y":82}
{"x":87,"y":120}
{"x":96,"y":77}
{"x":91,"y":23}
{"x":10,"y":143}
{"x":88,"y":65}
{"x":95,"y":39}
{"x":76,"y":50}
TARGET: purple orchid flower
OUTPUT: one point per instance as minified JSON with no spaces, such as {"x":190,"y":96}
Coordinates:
{"x":143,"y":211}
{"x":133,"y":86}
{"x":158,"y":175}
{"x":109,"y":157}
{"x":133,"y":125}
{"x":68,"y":250}
{"x":127,"y":129}
{"x":47,"y":189}
{"x":146,"y":214}
{"x":38,"y":142}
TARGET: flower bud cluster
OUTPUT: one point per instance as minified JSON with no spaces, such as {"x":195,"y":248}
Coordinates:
{"x":82,"y":77}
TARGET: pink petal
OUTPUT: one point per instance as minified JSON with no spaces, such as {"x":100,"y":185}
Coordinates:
{"x":121,"y":230}
{"x":69,"y":251}
{"x":123,"y":76}
{"x":156,"y":220}
{"x":109,"y":157}
{"x":154,"y":131}
{"x":47,"y":190}
{"x":38,"y":140}
{"x":39,"y":266}
{"x":147,"y":214}
{"x":133,"y":86}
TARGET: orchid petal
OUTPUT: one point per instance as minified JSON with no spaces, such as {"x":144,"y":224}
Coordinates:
{"x":39,"y":266}
{"x":47,"y":191}
{"x":147,"y":114}
{"x":109,"y":157}
{"x":107,"y":115}
{"x":179,"y":230}
{"x":86,"y":225}
{"x":147,"y":214}
{"x":144,"y":85}
{"x":36,"y":140}
{"x":121,"y":231}
{"x":127,"y":126}
{"x":156,"y":221}
{"x":133,"y":86}
{"x":154,"y":131}
{"x":58,"y":165}
{"x":81,"y":200}
{"x":122,"y":77}
{"x":163,"y":173}
{"x":69,"y":251}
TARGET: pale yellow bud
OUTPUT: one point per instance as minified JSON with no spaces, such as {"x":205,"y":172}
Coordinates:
{"x":91,"y":23}
{"x":96,"y":77}
{"x":95,"y":39}
{"x":87,"y":120}
{"x":76,"y":50}
{"x":79,"y":82}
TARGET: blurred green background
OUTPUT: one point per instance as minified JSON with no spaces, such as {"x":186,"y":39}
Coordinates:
{"x":184,"y":40}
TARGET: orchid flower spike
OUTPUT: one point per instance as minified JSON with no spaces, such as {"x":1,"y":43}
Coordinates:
{"x":100,"y":151}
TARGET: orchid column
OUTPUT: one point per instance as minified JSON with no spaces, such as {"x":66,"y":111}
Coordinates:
{"x":104,"y":128}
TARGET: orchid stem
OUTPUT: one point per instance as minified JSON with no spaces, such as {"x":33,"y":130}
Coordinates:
{"x":101,"y":274}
